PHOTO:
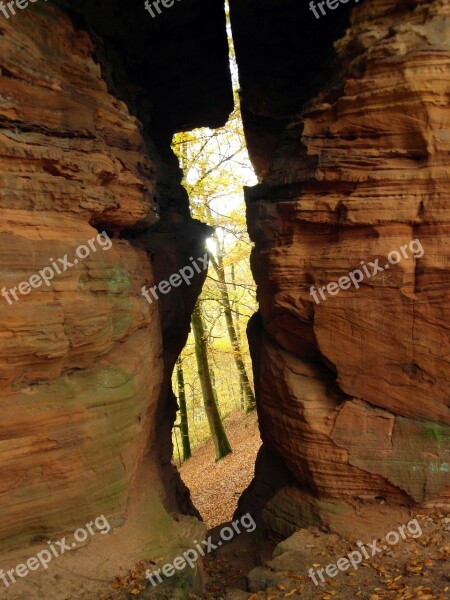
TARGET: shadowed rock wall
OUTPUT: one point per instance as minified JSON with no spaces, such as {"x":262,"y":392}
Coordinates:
{"x":351,"y":144}
{"x":85,"y":363}
{"x":353,"y":391}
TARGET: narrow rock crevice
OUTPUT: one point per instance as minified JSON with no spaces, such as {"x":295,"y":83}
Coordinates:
{"x":345,"y":119}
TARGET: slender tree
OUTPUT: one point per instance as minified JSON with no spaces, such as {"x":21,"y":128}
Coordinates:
{"x":238,"y":333}
{"x":221,"y":443}
{"x":184,"y":426}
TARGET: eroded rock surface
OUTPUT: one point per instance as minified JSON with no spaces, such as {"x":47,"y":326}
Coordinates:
{"x":85,"y":361}
{"x":354,"y":389}
{"x":77,"y":406}
{"x":352,"y":147}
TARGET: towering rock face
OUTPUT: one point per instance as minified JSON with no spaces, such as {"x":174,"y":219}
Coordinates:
{"x":90,"y":211}
{"x":73,"y":162}
{"x":354,"y":384}
{"x":350,"y":142}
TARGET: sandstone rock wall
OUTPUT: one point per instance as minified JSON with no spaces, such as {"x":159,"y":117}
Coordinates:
{"x":77,"y":407}
{"x":351,"y":143}
{"x":86,"y":405}
{"x":354,"y":390}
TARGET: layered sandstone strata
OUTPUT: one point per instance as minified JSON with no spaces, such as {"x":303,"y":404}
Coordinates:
{"x":86,"y":407}
{"x":354,"y":390}
{"x":72,"y":161}
{"x":352,"y":148}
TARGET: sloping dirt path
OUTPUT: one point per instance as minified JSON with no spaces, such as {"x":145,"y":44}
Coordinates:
{"x":216,"y":486}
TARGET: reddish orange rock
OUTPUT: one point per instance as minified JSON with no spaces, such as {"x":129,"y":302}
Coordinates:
{"x":354,"y":389}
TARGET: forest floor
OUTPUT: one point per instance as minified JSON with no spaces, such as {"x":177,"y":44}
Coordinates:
{"x":216,"y":486}
{"x":415,"y":568}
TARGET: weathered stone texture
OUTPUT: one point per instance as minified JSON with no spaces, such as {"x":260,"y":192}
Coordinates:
{"x":352,"y":148}
{"x":86,"y":406}
{"x":80,"y":359}
{"x":354,"y":391}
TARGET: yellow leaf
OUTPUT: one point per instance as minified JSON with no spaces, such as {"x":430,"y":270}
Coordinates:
{"x":119,"y":583}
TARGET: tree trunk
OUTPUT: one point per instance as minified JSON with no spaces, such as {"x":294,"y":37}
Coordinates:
{"x":221,"y":443}
{"x":237,"y":353}
{"x":238,"y":335}
{"x":184,"y":426}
